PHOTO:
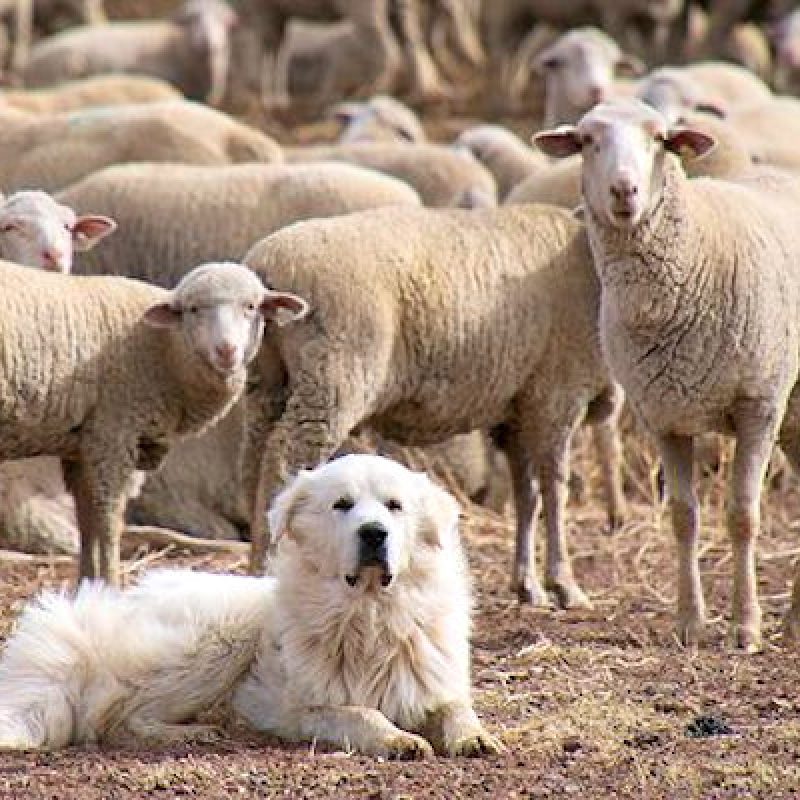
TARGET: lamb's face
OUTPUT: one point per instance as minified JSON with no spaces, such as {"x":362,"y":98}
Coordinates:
{"x":365,"y":521}
{"x":623,"y":145}
{"x":220,"y":310}
{"x":36,"y":231}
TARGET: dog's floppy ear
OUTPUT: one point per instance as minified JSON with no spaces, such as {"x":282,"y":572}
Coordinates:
{"x":439,"y":513}
{"x":285,"y":506}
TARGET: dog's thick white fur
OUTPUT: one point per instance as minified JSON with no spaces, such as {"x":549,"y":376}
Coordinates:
{"x":360,"y":638}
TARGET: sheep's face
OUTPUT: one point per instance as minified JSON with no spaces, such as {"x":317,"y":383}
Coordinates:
{"x":36,"y":231}
{"x":581,"y":67}
{"x":221,"y":309}
{"x":623,"y":145}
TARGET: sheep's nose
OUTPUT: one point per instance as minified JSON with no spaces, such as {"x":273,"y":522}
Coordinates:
{"x":226,"y":352}
{"x":596,"y":94}
{"x":373,"y":534}
{"x":624,"y":188}
{"x":54,"y":258}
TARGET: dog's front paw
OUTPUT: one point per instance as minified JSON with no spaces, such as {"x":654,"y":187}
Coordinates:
{"x":477,"y":743}
{"x":406,"y":746}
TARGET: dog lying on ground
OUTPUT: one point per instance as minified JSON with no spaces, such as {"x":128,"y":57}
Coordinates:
{"x":358,"y":639}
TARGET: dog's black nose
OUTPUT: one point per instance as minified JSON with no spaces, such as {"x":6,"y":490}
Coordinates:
{"x":373,"y":534}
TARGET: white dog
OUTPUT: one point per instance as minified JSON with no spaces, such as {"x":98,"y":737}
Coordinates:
{"x":359,"y":639}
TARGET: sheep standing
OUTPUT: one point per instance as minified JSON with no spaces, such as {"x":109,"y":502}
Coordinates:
{"x":428,"y":323}
{"x":698,"y":317}
{"x":191,"y":51}
{"x":51,"y":151}
{"x":106,"y":373}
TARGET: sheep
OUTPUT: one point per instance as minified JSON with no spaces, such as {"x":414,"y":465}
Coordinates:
{"x":50,"y":152}
{"x":786,"y":38}
{"x":710,"y":86}
{"x":698,"y":317}
{"x":171,"y":216}
{"x":102,"y":90}
{"x":379,"y":119}
{"x":578,"y":71}
{"x":191,"y":51}
{"x":560,"y":183}
{"x":428,"y":323}
{"x":441,"y":176}
{"x":106,"y":373}
{"x":503,"y":153}
{"x":770,"y":131}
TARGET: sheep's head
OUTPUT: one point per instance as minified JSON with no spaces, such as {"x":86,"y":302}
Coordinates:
{"x":36,"y":231}
{"x":623,"y":145}
{"x":672,"y":92}
{"x":581,"y":66}
{"x":221,"y":309}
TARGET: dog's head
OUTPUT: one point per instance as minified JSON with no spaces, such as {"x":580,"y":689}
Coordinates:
{"x":365,"y":520}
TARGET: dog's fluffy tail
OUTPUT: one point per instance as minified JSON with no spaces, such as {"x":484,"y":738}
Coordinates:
{"x":45,"y":663}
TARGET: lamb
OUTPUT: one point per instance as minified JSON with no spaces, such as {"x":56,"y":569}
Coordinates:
{"x":698,"y":317}
{"x":130,"y":369}
{"x":441,"y":176}
{"x":380,"y":119}
{"x":579,"y":70}
{"x":102,"y":90}
{"x":503,"y":153}
{"x":428,"y":323}
{"x":50,"y":152}
{"x":560,"y":183}
{"x":191,"y":51}
{"x":171,"y":216}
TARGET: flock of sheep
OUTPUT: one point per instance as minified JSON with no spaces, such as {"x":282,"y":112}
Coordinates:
{"x":482,"y":296}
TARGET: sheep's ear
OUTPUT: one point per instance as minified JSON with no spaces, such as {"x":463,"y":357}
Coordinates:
{"x":162,"y":315}
{"x":283,"y":307}
{"x":629,"y":66}
{"x":559,"y":142}
{"x":439,"y":515}
{"x":286,"y":505}
{"x":680,"y":139}
{"x":90,"y":229}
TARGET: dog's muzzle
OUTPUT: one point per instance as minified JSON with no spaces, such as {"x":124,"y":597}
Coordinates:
{"x":372,"y":552}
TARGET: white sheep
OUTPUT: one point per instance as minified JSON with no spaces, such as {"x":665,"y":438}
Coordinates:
{"x":106,"y":373}
{"x":441,"y":176}
{"x":101,"y":90}
{"x":171,"y":216}
{"x":51,"y":151}
{"x":191,"y":50}
{"x":428,"y":323}
{"x":503,"y":153}
{"x":380,"y":119}
{"x":698,"y":317}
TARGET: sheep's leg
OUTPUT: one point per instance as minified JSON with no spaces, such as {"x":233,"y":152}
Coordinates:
{"x":609,"y":454}
{"x":526,"y":505}
{"x":100,"y":490}
{"x":553,"y":468}
{"x":755,"y":434}
{"x":319,"y":416}
{"x":427,"y":84}
{"x":677,"y":456}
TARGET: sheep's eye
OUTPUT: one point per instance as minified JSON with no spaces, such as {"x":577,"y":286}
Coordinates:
{"x":67,"y":227}
{"x":394,"y":504}
{"x":586,"y":140}
{"x":7,"y":228}
{"x":193,"y":309}
{"x":344,"y":504}
{"x":553,"y":63}
{"x":251,"y":306}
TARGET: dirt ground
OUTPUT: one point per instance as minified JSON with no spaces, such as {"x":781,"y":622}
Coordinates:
{"x":592,"y":704}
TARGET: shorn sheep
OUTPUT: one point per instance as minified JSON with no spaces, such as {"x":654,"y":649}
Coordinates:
{"x":698,"y":318}
{"x":106,"y":373}
{"x":428,"y":323}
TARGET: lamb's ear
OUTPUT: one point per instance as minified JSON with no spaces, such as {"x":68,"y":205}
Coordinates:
{"x":559,"y":142}
{"x":283,"y":307}
{"x":439,"y":513}
{"x":90,"y":229}
{"x":629,"y":66}
{"x":162,"y":315}
{"x":696,"y":142}
{"x":286,"y":505}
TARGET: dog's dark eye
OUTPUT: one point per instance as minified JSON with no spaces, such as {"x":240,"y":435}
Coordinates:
{"x":394,"y":505}
{"x":343,"y":504}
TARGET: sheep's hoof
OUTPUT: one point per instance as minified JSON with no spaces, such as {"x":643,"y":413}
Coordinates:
{"x":746,"y":639}
{"x":569,"y":595}
{"x":532,"y":595}
{"x":689,"y":629}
